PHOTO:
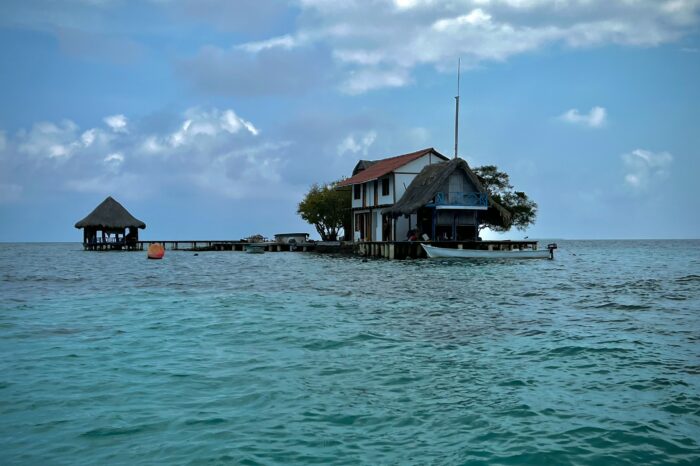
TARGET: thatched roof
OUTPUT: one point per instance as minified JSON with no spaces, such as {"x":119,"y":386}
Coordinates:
{"x":110,"y":214}
{"x":429,"y":181}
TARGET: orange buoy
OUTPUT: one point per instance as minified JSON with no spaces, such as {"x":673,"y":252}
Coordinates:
{"x":156,"y":251}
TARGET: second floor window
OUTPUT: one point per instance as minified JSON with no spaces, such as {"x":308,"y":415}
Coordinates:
{"x":356,"y":191}
{"x":385,"y":187}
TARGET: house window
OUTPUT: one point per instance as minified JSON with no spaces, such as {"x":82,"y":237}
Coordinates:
{"x":385,"y":187}
{"x":356,"y":191}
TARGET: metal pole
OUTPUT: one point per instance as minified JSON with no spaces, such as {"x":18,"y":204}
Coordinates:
{"x":459,"y":63}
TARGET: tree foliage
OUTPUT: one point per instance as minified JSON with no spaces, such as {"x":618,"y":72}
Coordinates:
{"x":523,"y":209}
{"x":327,"y":208}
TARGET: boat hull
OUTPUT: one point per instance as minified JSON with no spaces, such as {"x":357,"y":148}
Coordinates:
{"x":434,"y":252}
{"x":255,"y":249}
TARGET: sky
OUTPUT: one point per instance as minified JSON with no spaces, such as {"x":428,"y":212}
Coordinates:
{"x":210,"y":119}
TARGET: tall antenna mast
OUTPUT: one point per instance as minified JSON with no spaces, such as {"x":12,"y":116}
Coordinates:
{"x":459,"y":66}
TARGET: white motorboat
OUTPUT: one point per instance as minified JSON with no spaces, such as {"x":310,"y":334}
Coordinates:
{"x":437,"y":252}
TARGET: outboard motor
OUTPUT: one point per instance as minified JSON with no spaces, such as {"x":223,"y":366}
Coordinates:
{"x":551,"y":247}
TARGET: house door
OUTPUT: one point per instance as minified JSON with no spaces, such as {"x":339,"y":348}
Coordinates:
{"x":386,"y":227}
{"x":368,"y":226}
{"x":359,"y":227}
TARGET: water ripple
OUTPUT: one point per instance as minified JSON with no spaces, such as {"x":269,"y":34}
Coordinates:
{"x":297,"y":358}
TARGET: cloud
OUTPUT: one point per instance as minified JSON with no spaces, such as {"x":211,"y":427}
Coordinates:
{"x":117,"y":123}
{"x":273,"y":67}
{"x":242,"y":16}
{"x":114,"y":161}
{"x":368,"y":79}
{"x":596,"y":117}
{"x":356,"y":144}
{"x":54,"y":140}
{"x":208,"y":150}
{"x":98,"y":47}
{"x":382,"y":49}
{"x":285,"y":42}
{"x":644,"y":168}
{"x":199,"y":125}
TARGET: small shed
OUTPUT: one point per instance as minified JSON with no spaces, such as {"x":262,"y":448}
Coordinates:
{"x":291,"y":238}
{"x":110,"y":226}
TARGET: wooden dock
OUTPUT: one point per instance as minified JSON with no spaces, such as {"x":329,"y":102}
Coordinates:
{"x":376,"y":249}
{"x":224,"y":245}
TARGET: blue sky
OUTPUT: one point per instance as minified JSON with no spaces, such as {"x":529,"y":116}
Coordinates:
{"x":210,"y":119}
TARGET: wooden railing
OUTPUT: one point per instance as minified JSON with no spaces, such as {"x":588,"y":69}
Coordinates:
{"x":462,"y":199}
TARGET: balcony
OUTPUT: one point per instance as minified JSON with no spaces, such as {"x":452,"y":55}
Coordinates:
{"x":473,"y":200}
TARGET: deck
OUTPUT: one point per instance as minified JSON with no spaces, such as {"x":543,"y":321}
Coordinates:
{"x":224,"y":245}
{"x":379,"y":249}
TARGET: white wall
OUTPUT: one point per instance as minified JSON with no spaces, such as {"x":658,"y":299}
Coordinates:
{"x":356,"y":203}
{"x":417,"y":165}
{"x":377,"y":225}
{"x":404,"y":175}
{"x":389,"y":198}
{"x":401,"y":228}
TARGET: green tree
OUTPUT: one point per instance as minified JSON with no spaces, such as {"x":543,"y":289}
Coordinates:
{"x":327,"y":208}
{"x":523,"y":209}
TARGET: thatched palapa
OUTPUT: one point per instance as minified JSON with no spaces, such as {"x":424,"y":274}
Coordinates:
{"x":429,"y":181}
{"x":110,"y":214}
{"x":110,"y":218}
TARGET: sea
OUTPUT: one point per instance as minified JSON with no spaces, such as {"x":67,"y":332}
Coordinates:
{"x":592,"y":358}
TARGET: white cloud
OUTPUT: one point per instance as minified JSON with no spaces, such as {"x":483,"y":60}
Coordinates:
{"x":210,"y":150}
{"x":381,"y":48}
{"x":595,"y":118}
{"x":285,"y":42}
{"x":369,"y":79}
{"x":115,"y":159}
{"x":202,"y":123}
{"x":50,"y":140}
{"x":357,"y":144}
{"x":233,"y":123}
{"x":118,"y":123}
{"x":476,"y":17}
{"x":644,"y":168}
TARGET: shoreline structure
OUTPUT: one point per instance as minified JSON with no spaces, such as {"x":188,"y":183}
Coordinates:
{"x":378,"y":249}
{"x":396,"y":204}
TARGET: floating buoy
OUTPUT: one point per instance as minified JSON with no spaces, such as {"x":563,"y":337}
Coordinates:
{"x":156,"y":251}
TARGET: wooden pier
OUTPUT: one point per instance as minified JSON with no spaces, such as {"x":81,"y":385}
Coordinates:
{"x":376,"y":249}
{"x":225,"y":245}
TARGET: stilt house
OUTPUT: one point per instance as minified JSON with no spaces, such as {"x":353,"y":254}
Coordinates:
{"x":110,"y":226}
{"x":422,"y":194}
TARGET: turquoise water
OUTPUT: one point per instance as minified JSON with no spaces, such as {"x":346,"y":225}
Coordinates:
{"x":279,"y":358}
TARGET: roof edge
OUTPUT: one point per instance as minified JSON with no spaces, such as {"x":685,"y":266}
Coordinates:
{"x":418,"y":154}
